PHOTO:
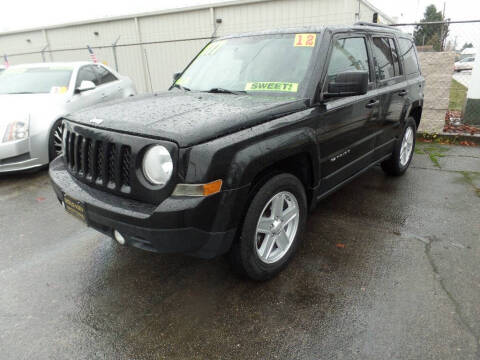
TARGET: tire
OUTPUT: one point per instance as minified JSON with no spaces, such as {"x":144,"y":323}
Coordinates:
{"x":52,"y":143}
{"x":399,"y":162}
{"x":279,"y":243}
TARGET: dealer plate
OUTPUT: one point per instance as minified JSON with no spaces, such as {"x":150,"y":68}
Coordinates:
{"x":75,"y":208}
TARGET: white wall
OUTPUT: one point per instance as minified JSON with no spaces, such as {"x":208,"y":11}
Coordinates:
{"x":181,"y":35}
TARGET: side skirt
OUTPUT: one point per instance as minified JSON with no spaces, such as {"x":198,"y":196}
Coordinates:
{"x":330,"y":191}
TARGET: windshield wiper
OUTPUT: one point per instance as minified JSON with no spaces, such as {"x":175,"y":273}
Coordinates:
{"x":21,"y":92}
{"x":184,"y":88}
{"x":225,"y":91}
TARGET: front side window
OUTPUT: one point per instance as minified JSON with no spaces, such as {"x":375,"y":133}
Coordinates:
{"x":407,"y":51}
{"x":35,"y":80}
{"x":256,"y":64}
{"x":382,"y":55}
{"x":87,"y":73}
{"x":349,"y":54}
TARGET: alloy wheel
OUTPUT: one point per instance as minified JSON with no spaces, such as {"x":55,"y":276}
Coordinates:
{"x":58,"y":140}
{"x":277,"y":227}
{"x":407,"y":146}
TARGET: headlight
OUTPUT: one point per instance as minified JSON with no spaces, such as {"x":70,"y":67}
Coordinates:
{"x":157,"y":165}
{"x":16,"y":130}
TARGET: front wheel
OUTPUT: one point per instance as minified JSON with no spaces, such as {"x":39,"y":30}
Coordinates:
{"x":272,"y":228}
{"x":402,"y":154}
{"x":55,"y":146}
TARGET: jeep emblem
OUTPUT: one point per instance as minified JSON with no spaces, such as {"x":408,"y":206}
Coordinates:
{"x":96,"y":121}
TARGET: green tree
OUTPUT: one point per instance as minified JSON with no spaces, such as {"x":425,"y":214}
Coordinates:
{"x":466,"y":46}
{"x":431,"y":34}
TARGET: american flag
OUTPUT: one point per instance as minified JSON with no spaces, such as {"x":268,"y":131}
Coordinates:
{"x":92,"y":54}
{"x":5,"y":60}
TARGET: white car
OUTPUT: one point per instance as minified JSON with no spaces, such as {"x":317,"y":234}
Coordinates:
{"x":35,"y":97}
{"x":464,"y":64}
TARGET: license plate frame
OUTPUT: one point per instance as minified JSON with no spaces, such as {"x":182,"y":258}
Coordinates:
{"x":75,"y":207}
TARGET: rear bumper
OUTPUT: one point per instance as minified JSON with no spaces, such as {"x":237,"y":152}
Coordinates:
{"x":202,"y":227}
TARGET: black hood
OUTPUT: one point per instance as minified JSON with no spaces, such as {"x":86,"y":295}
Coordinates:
{"x":187,"y":118}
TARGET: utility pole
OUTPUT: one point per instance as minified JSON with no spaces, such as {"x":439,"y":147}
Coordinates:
{"x":114,"y":50}
{"x":442,"y":29}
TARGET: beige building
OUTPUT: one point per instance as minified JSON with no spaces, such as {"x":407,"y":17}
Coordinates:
{"x":152,"y":46}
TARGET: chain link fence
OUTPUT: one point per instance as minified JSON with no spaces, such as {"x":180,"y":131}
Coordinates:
{"x":151,"y":49}
{"x":447,"y":52}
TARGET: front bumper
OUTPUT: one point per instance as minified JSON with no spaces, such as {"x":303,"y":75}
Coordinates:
{"x":16,"y":156}
{"x":202,"y":227}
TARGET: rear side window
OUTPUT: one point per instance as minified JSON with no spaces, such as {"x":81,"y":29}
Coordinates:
{"x":382,"y":55}
{"x":396,"y":61}
{"x":407,"y":51}
{"x":349,"y":54}
{"x":104,"y":75}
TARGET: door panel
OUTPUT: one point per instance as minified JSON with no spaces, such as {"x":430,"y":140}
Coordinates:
{"x":392,"y":92}
{"x":109,"y":83}
{"x":345,"y":136}
{"x":87,"y":98}
{"x":346,"y":139}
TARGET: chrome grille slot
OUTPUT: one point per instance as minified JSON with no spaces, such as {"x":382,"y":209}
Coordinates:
{"x":88,"y":159}
{"x":100,"y":163}
{"x":111,"y":166}
{"x":125,"y":174}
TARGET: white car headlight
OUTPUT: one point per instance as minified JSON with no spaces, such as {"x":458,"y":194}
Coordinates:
{"x":157,"y":165}
{"x":16,"y":130}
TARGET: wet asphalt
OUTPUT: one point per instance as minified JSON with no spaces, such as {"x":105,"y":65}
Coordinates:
{"x":389,"y":269}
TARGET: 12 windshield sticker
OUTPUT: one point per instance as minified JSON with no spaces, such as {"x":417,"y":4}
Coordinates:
{"x":305,"y":40}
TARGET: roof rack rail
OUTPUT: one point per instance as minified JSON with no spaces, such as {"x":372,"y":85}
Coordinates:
{"x":366,"y":23}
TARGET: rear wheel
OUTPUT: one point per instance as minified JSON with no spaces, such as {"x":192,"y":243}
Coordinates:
{"x":55,"y":147}
{"x":402,"y":154}
{"x":272,"y":228}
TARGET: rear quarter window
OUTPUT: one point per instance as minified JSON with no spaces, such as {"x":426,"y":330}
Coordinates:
{"x":407,"y":51}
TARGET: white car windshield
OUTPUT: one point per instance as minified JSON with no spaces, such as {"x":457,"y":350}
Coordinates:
{"x":35,"y":80}
{"x":269,"y":63}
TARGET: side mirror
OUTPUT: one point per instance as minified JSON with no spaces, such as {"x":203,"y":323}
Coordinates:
{"x":348,"y":83}
{"x":85,"y":85}
{"x":176,"y":76}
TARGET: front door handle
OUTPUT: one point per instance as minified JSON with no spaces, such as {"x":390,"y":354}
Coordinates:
{"x":372,"y":103}
{"x":403,"y":93}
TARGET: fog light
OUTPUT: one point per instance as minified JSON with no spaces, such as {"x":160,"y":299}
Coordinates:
{"x":119,"y":237}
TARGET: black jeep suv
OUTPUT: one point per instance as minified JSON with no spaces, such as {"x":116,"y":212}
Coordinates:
{"x":251,"y":135}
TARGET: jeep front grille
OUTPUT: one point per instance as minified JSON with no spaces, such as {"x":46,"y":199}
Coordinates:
{"x":107,"y":164}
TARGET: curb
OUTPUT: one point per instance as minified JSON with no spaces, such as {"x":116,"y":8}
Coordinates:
{"x":450,"y":137}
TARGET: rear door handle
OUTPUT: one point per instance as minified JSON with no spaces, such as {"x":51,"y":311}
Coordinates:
{"x":372,"y":103}
{"x":403,"y":93}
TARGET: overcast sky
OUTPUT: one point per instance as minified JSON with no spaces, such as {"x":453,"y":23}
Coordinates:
{"x":20,"y":14}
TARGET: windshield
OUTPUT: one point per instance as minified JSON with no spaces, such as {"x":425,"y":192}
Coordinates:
{"x":40,"y":80}
{"x":268,"y":63}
